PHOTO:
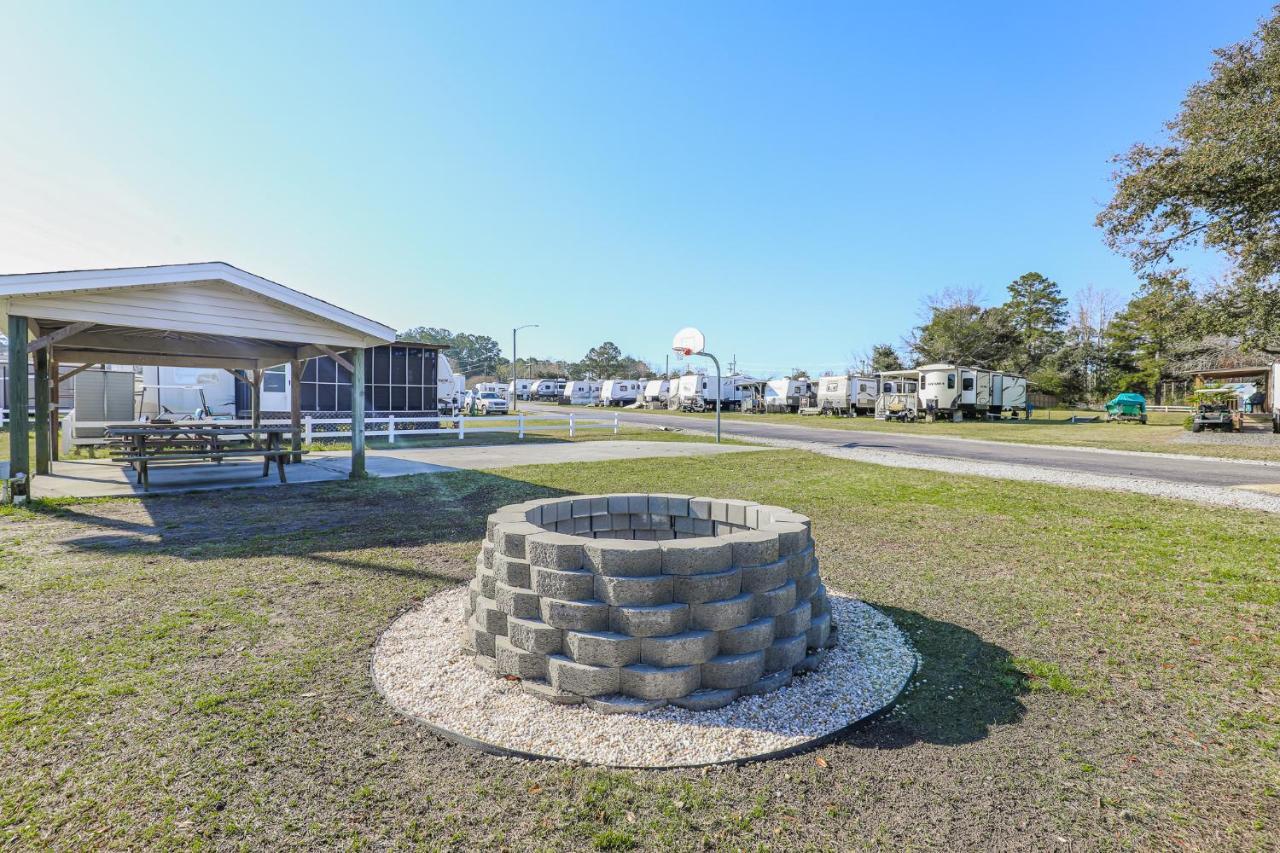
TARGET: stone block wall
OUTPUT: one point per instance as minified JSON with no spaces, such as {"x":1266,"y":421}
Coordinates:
{"x":629,"y":602}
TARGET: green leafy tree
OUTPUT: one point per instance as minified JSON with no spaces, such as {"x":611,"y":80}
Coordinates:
{"x":602,"y":362}
{"x":1212,"y":182}
{"x":471,"y":355}
{"x":1153,"y":332}
{"x":960,"y":331}
{"x":885,"y":357}
{"x":426,"y":335}
{"x":1037,"y":311}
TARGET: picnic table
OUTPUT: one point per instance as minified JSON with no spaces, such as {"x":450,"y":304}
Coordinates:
{"x":143,"y":444}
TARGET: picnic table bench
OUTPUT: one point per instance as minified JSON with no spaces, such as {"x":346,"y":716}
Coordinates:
{"x":140,"y":445}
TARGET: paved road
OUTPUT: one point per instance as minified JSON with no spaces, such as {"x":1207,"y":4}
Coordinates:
{"x":1148,"y":466}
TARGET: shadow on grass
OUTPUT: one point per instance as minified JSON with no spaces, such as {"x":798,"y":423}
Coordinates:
{"x":325,"y":520}
{"x":963,"y":687}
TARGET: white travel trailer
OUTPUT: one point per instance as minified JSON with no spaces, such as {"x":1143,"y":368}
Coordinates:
{"x":696,"y":392}
{"x":522,"y":389}
{"x":619,"y":392}
{"x":185,"y":392}
{"x":953,"y":391}
{"x":656,"y":392}
{"x":846,"y":395}
{"x":448,"y":387}
{"x":581,"y":392}
{"x":549,"y":389}
{"x":786,"y":395}
{"x":499,"y":388}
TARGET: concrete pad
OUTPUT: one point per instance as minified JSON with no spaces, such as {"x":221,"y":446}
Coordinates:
{"x":92,"y":478}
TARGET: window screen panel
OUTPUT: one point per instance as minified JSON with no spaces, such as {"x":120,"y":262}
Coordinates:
{"x":398,"y":365}
{"x":381,"y":358}
{"x":325,"y":398}
{"x":325,"y":369}
{"x":413,"y":400}
{"x":414,"y":375}
{"x":397,"y":398}
{"x":344,"y":398}
{"x":381,"y":397}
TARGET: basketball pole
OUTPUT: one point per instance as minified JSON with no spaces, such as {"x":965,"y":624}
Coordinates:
{"x":719,"y":383}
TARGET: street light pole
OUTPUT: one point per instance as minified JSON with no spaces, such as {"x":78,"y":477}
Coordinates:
{"x":515,"y":395}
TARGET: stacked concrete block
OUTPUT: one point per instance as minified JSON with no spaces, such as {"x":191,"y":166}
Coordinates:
{"x":628,"y":602}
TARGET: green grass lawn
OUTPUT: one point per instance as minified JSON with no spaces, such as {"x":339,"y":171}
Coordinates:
{"x":1099,"y":670}
{"x":1163,"y":434}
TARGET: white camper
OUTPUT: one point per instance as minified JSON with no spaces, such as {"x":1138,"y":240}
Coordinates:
{"x":656,"y":392}
{"x":696,"y":392}
{"x":549,"y":389}
{"x":786,"y":395}
{"x":619,"y":392}
{"x":183,"y":393}
{"x":448,"y":387}
{"x":521,"y":389}
{"x":581,"y":392}
{"x":846,"y":395}
{"x":499,"y":388}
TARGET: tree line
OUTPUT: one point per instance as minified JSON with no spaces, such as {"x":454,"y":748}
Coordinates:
{"x":480,"y":357}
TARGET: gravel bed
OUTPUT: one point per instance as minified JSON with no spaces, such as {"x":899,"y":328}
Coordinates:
{"x":1238,"y":498}
{"x":1249,"y":438}
{"x":420,"y":668}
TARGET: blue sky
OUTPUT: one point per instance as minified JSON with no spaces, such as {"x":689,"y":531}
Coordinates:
{"x":792,"y":178}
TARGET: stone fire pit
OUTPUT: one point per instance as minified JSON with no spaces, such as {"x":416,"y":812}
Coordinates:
{"x":631,"y":602}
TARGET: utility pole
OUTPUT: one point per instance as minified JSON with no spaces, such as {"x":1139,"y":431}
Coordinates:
{"x":514,"y":393}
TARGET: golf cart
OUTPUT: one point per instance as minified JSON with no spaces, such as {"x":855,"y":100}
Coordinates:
{"x":1127,"y":408}
{"x":1217,"y":409}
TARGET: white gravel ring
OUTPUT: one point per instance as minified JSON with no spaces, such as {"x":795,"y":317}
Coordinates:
{"x":420,"y":669}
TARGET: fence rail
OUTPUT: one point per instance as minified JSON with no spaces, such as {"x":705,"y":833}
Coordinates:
{"x":314,"y":429}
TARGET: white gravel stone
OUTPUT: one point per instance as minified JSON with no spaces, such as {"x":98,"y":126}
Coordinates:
{"x":421,"y":669}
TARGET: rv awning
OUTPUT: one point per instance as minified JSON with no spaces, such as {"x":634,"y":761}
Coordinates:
{"x":183,"y":315}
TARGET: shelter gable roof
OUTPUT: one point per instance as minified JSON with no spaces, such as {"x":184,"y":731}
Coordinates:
{"x":189,"y":276}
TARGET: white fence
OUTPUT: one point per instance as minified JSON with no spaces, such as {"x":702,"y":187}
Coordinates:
{"x":391,"y":427}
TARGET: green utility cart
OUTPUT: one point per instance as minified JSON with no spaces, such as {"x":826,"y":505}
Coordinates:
{"x":1127,"y":408}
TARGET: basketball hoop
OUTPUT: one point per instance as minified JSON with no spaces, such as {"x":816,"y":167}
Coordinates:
{"x":687,"y":341}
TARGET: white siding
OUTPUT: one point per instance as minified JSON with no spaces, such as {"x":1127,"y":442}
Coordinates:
{"x":209,"y":307}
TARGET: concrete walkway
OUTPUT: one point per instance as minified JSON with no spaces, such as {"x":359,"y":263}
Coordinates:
{"x":92,"y":478}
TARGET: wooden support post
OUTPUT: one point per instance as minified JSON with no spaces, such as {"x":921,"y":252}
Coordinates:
{"x":55,"y":397}
{"x":295,"y":409}
{"x":42,"y":410}
{"x":357,"y":414}
{"x":19,"y":453}
{"x":255,"y":399}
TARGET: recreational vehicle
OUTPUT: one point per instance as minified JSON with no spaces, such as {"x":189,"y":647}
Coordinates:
{"x":619,"y":392}
{"x":898,"y":396}
{"x":656,"y":392}
{"x":448,"y":388}
{"x":521,"y":389}
{"x":786,"y":395}
{"x":549,"y":389}
{"x":846,"y":395}
{"x":1013,"y":394}
{"x":581,"y":392}
{"x":696,"y":392}
{"x":499,"y":388}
